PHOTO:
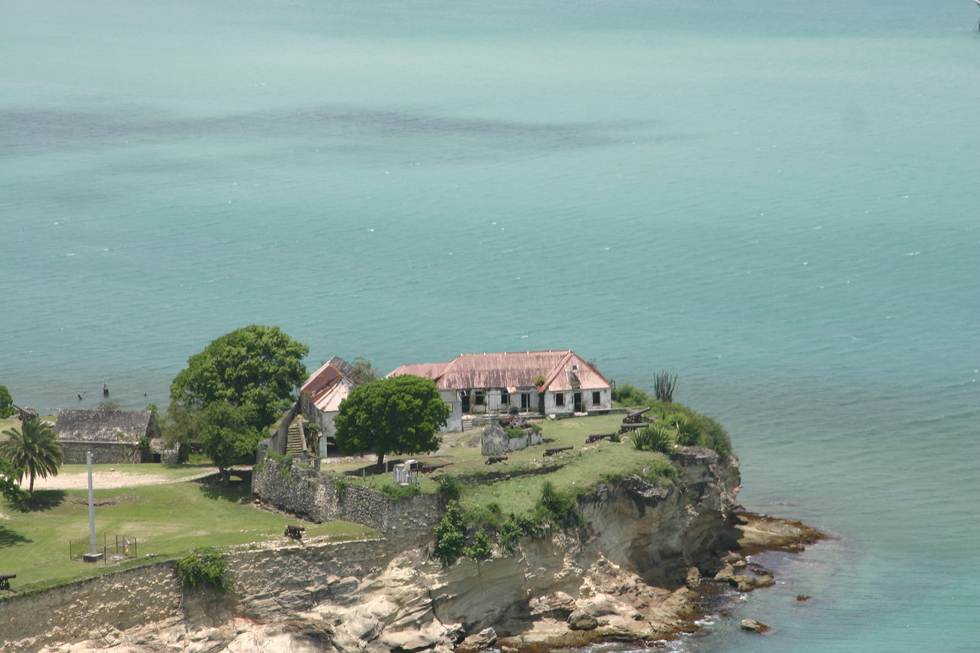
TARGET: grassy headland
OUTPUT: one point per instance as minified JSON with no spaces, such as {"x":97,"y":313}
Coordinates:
{"x":166,"y":520}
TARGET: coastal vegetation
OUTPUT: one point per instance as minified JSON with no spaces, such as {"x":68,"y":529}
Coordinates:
{"x":10,"y":489}
{"x":6,"y":403}
{"x":34,"y":449}
{"x":233,"y":390}
{"x":203,"y":568}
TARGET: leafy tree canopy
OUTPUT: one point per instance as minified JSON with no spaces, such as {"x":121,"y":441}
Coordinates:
{"x":9,"y":487}
{"x":398,"y":415}
{"x":227,"y":435}
{"x":255,"y":367}
{"x":6,"y":403}
{"x":34,"y":448}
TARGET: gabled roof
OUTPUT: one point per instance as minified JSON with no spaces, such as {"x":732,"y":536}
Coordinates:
{"x":80,"y":425}
{"x":329,"y":385}
{"x":329,"y":373}
{"x":561,"y":370}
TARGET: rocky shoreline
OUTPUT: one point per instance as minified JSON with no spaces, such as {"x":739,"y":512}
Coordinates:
{"x":613,"y":605}
{"x":641,"y":567}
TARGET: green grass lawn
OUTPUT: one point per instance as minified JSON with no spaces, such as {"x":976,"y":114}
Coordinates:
{"x":579,"y":468}
{"x":166,"y":520}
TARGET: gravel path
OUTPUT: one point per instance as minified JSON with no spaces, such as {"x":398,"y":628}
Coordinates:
{"x":110,"y":479}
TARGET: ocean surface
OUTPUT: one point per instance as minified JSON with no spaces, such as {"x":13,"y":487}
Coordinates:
{"x":776,"y":201}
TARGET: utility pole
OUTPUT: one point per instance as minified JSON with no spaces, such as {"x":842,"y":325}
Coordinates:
{"x":93,"y":555}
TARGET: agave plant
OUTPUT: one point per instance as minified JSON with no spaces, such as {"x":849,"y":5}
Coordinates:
{"x":663,"y":387}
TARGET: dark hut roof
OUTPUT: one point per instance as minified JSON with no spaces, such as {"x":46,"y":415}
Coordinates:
{"x":103,"y":425}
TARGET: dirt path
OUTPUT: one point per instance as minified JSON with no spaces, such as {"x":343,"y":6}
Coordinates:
{"x":110,"y":479}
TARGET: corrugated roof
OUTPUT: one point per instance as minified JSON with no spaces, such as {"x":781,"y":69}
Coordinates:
{"x":329,"y":373}
{"x":562,"y":370}
{"x":328,"y":399}
{"x":425,"y":370}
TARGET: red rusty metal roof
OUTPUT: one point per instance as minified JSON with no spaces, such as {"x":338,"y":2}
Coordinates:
{"x":561,"y":370}
{"x":425,"y":370}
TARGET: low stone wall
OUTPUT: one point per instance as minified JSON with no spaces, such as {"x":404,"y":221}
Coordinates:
{"x":322,"y":497}
{"x":496,"y":442}
{"x":269,"y":584}
{"x":103,"y":453}
{"x":122,"y":599}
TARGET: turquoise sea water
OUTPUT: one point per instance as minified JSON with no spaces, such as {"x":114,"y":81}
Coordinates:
{"x":776,"y":201}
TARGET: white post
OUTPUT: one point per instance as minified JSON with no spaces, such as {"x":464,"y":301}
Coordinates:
{"x":91,"y":505}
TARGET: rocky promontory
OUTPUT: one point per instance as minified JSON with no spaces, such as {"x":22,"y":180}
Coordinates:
{"x":632,"y":570}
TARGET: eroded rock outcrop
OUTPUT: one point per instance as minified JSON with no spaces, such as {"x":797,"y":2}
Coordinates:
{"x":624,"y":574}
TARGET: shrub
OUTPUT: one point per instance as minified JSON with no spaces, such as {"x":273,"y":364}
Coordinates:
{"x":628,"y":395}
{"x":488,"y":515}
{"x":6,"y":403}
{"x":481,"y":547}
{"x":340,"y":486}
{"x":450,"y":488}
{"x":692,"y":428}
{"x":661,"y":473}
{"x":514,"y":432}
{"x":205,"y":567}
{"x":556,"y":506}
{"x":396,"y":492}
{"x":510,"y":534}
{"x":657,"y":437}
{"x":450,"y":536}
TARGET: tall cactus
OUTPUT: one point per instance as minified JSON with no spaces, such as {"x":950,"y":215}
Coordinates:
{"x":663,"y":387}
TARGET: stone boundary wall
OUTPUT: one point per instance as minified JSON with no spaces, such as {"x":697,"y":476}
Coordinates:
{"x":121,"y":599}
{"x":269,"y":584}
{"x":103,"y":453}
{"x":321,"y":497}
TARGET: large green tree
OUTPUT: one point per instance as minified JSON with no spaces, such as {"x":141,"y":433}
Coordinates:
{"x":226,"y":435}
{"x":402,"y":415}
{"x":6,"y":403}
{"x":256,"y":368}
{"x":10,"y":483}
{"x":34,"y":448}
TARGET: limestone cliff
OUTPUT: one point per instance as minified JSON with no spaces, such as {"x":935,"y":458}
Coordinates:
{"x":621,"y":574}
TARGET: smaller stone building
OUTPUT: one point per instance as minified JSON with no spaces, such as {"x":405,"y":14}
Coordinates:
{"x":113,"y":436}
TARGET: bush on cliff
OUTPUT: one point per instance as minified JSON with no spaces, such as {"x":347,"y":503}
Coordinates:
{"x":661,"y":472}
{"x":450,"y":488}
{"x":205,"y":567}
{"x":656,"y":437}
{"x":450,"y":535}
{"x":628,"y":395}
{"x":481,"y":547}
{"x":557,"y":507}
{"x":692,"y":428}
{"x":396,"y":492}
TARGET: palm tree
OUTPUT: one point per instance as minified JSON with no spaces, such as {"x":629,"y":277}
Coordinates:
{"x":34,"y":449}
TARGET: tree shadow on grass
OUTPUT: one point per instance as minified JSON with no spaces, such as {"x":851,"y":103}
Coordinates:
{"x":10,"y":538}
{"x":238,"y":491}
{"x":45,"y":500}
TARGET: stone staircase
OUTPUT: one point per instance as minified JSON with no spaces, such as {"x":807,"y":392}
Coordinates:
{"x":295,"y":438}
